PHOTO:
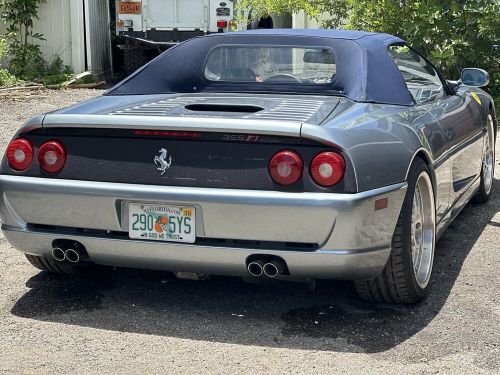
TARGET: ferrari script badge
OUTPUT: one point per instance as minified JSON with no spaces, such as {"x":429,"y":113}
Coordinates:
{"x":161,"y":161}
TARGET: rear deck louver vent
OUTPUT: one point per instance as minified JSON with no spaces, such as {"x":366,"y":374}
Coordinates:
{"x":285,"y":109}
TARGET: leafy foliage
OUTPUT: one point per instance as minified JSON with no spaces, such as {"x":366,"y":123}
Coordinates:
{"x":3,"y":54}
{"x":314,"y":8}
{"x":26,"y":60}
{"x":56,"y":73}
{"x":7,"y":79}
{"x":19,"y":15}
{"x":3,"y":48}
{"x":453,"y":34}
{"x":24,"y":56}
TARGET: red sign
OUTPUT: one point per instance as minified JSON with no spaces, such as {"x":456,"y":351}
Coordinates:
{"x":129,"y":7}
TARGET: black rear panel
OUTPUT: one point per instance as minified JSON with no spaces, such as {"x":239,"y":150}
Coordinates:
{"x":210,"y":160}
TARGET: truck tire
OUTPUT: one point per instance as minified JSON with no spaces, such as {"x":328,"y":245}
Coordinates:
{"x":405,"y":278}
{"x":53,"y":266}
{"x":134,"y":58}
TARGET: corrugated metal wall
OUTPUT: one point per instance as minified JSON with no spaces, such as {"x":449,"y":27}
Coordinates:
{"x":78,"y":32}
{"x":98,"y":35}
{"x":55,"y":25}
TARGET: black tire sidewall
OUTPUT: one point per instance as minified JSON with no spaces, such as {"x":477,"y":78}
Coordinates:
{"x":414,"y":289}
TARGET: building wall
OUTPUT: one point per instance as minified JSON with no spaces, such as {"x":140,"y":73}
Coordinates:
{"x":55,"y":24}
{"x":98,"y":38}
{"x":62,"y":23}
{"x":302,"y":21}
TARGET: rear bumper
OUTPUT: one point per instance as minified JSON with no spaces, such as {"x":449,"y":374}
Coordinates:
{"x":353,"y":239}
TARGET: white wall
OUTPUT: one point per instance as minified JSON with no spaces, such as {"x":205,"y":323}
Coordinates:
{"x":303,"y":21}
{"x":61,"y":23}
{"x":55,"y":25}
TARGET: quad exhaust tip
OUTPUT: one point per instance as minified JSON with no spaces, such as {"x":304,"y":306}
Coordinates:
{"x":71,"y":251}
{"x":267,"y":268}
{"x":274,"y":268}
{"x":255,"y":268}
{"x":58,"y":254}
{"x":72,"y":256}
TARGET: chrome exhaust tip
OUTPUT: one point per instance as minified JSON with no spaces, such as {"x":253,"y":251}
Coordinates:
{"x":274,"y":268}
{"x":58,"y":254}
{"x":76,"y":252}
{"x":72,"y":256}
{"x":255,"y":268}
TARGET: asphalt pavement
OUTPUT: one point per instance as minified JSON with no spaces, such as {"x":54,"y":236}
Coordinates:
{"x":140,"y":322}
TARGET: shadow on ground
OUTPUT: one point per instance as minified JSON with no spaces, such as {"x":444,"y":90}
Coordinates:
{"x":231,"y":311}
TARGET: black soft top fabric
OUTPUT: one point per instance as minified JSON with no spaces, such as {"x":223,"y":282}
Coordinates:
{"x":365,"y":71}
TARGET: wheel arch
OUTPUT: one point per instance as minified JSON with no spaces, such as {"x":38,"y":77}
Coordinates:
{"x":424,"y":155}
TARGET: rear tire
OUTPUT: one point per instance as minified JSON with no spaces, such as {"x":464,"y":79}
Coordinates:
{"x":405,"y":278}
{"x":488,"y":164}
{"x":53,"y":266}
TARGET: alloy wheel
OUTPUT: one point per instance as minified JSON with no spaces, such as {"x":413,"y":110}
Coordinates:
{"x":489,"y":156}
{"x":423,"y":228}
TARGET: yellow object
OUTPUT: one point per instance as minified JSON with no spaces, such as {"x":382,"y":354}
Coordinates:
{"x":233,"y":25}
{"x":476,"y":98}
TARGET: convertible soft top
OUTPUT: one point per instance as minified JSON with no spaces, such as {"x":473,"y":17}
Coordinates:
{"x":364,"y":70}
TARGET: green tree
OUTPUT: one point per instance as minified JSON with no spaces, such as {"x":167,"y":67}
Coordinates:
{"x":19,"y":15}
{"x":453,"y":34}
{"x":338,"y":9}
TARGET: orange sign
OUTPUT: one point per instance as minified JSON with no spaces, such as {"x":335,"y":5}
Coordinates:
{"x":129,"y":7}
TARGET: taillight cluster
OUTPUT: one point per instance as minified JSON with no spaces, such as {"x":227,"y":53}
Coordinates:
{"x":286,"y":167}
{"x":51,"y":155}
{"x":327,"y":168}
{"x":20,"y":154}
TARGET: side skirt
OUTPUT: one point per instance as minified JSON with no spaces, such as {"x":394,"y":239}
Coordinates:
{"x":453,"y":212}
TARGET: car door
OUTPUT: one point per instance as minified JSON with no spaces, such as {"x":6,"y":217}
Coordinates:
{"x":457,"y":117}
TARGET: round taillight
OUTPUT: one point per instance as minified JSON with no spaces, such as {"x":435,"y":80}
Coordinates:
{"x":327,"y":168}
{"x":20,"y":154}
{"x":286,"y":167}
{"x":51,"y":157}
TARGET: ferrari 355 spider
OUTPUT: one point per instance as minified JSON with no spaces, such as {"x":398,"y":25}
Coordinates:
{"x":289,"y":154}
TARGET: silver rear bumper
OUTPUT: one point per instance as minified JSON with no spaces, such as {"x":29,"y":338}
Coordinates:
{"x":353,"y":238}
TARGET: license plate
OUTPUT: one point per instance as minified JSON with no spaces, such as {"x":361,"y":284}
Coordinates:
{"x":129,"y":7}
{"x":161,"y":222}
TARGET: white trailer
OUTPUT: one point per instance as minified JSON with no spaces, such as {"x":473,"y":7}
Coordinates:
{"x":151,"y":26}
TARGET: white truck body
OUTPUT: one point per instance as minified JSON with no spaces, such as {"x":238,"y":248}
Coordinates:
{"x":181,"y":15}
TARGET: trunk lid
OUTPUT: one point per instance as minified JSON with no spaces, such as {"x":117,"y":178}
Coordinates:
{"x":290,"y":108}
{"x":216,"y":141}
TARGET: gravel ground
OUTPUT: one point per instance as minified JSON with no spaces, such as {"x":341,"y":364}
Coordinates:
{"x":133,"y":321}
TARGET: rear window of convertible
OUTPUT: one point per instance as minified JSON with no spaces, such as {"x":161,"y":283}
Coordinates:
{"x":271,"y":64}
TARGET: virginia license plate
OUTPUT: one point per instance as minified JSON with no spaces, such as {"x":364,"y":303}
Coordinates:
{"x":129,"y":7}
{"x":161,"y":222}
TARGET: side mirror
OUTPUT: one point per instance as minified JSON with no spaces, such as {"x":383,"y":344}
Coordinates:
{"x":475,"y":77}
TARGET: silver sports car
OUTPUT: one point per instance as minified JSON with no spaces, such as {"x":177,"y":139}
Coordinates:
{"x":288,"y":154}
